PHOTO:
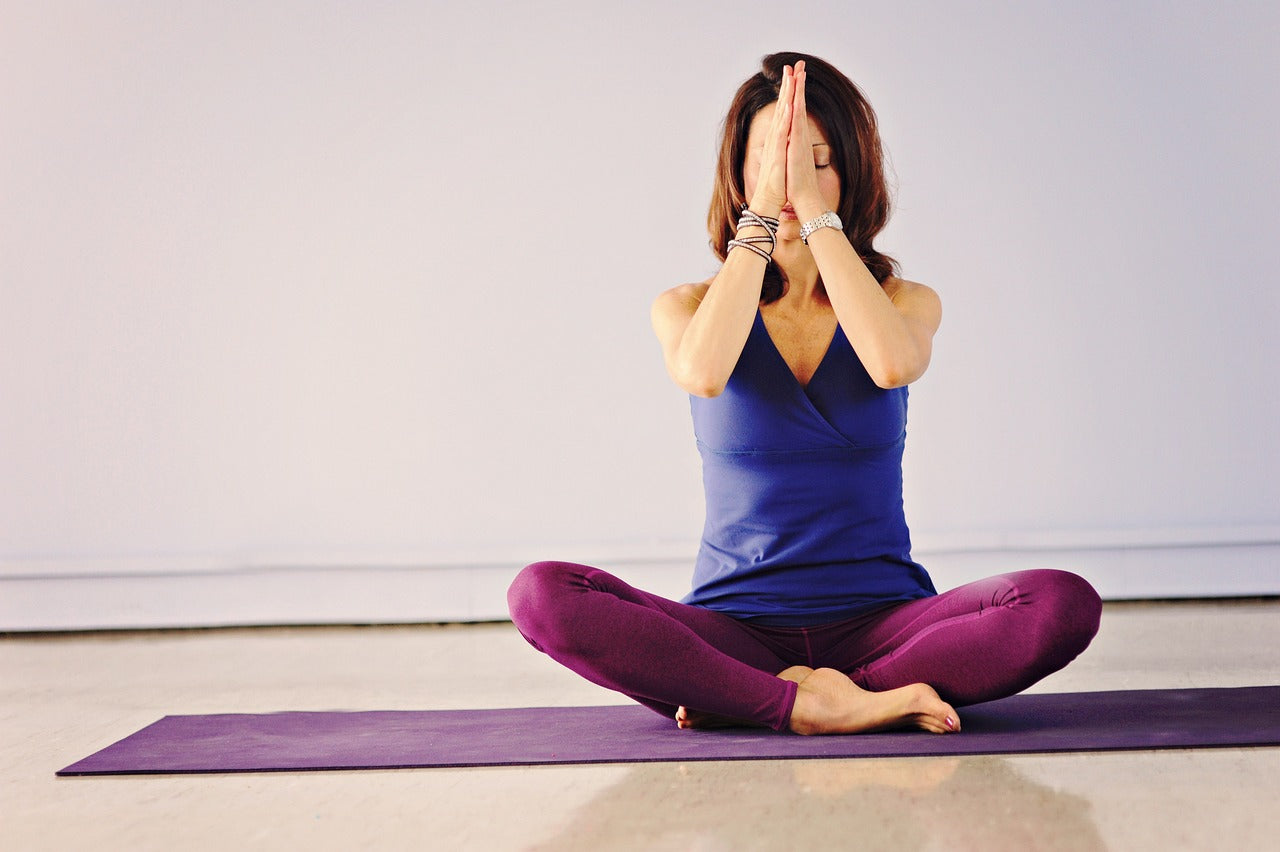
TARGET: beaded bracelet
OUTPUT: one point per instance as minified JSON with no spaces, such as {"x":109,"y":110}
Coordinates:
{"x":749,"y":219}
{"x":746,"y":245}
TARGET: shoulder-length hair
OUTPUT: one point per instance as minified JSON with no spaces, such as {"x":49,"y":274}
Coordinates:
{"x":840,"y":109}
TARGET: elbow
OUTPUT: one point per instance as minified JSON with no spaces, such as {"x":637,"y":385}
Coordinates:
{"x":888,"y":381}
{"x":888,"y":378}
{"x":898,"y":366}
{"x":895,"y":374}
{"x":699,"y":382}
{"x":702,"y":387}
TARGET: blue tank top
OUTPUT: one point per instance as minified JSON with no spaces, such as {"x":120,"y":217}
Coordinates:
{"x":804,"y":491}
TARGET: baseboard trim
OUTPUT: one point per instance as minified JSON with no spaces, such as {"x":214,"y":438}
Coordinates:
{"x":203,"y":593}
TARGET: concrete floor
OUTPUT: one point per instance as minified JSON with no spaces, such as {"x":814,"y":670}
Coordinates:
{"x":63,"y":697}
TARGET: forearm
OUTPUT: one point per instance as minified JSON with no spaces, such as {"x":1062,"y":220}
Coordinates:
{"x":703,"y":333}
{"x":713,"y":339}
{"x":886,"y":342}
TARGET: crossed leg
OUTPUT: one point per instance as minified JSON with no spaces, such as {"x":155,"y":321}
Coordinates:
{"x":978,"y":642}
{"x":659,"y":652}
{"x":669,"y":656}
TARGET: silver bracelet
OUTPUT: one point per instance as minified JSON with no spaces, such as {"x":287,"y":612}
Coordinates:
{"x":826,"y":220}
{"x":732,"y":244}
{"x":758,"y":240}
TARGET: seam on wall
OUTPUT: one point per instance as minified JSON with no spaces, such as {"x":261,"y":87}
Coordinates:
{"x":622,"y":556}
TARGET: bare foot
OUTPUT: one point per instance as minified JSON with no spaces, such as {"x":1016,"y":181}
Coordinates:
{"x":828,"y":702}
{"x":795,"y":674}
{"x":686,"y":718}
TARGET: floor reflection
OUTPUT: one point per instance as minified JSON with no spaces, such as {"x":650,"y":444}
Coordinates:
{"x":953,"y":803}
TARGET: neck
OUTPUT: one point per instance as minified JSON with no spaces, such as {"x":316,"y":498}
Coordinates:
{"x":796,"y":262}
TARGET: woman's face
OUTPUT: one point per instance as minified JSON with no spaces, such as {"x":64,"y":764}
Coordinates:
{"x":828,"y":179}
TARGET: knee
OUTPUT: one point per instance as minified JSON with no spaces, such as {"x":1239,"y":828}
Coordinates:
{"x":1072,"y":606}
{"x":537,"y":594}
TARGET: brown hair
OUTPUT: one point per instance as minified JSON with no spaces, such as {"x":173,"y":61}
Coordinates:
{"x":840,"y":109}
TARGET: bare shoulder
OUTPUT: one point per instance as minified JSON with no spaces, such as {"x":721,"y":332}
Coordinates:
{"x":897,"y":288}
{"x":914,"y":298}
{"x":681,"y":301}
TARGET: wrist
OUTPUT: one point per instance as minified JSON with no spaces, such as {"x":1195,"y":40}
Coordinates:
{"x":821,"y":222}
{"x":754,"y":233}
{"x":807,"y":209}
{"x":764,"y":206}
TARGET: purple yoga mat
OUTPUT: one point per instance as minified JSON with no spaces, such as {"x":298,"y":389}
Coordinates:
{"x":394,"y":739}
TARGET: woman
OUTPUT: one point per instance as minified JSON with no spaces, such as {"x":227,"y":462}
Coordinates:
{"x":807,"y":612}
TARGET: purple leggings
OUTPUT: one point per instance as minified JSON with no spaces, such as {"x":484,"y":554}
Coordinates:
{"x":978,"y":642}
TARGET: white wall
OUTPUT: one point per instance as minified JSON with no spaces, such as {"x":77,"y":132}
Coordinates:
{"x":339,"y":311}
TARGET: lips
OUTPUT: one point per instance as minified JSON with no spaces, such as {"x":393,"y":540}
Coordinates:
{"x":788,"y":212}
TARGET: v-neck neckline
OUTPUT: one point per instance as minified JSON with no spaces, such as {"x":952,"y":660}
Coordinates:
{"x":826,"y":355}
